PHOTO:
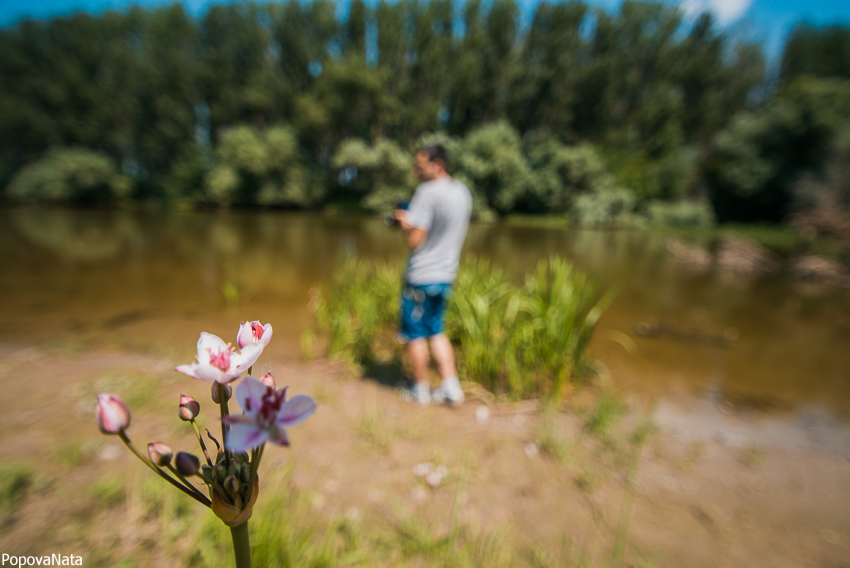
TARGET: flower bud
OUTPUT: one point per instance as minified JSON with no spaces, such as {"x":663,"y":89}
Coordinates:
{"x":159,"y":453}
{"x":231,"y":485}
{"x":112,"y":414}
{"x":220,"y":473}
{"x":246,"y":472}
{"x":268,"y":380}
{"x":241,"y":457}
{"x":214,"y":391}
{"x":187,"y":464}
{"x":234,"y":469}
{"x":189,"y":408}
{"x":207,"y":473}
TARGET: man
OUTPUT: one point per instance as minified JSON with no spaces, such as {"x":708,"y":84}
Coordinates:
{"x":435,"y":226}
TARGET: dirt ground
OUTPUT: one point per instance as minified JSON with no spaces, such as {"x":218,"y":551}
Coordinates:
{"x":710,"y":488}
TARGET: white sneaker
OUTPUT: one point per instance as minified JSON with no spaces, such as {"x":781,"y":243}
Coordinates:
{"x":449,"y":392}
{"x":413,"y":395}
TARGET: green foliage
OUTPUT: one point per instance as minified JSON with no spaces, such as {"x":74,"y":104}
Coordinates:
{"x":817,"y":52}
{"x":15,"y":478}
{"x":606,"y":208}
{"x":493,"y":160}
{"x":381,"y":173}
{"x":603,"y":415}
{"x":108,"y":491}
{"x":520,"y":340}
{"x":70,"y":175}
{"x":753,"y":165}
{"x":254,"y":166}
{"x":680,"y":214}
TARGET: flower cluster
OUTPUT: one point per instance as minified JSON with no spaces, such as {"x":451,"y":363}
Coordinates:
{"x":231,"y":477}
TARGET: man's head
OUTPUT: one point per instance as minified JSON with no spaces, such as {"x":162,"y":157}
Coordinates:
{"x":431,"y":162}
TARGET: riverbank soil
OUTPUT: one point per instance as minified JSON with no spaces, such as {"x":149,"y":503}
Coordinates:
{"x":602,"y":480}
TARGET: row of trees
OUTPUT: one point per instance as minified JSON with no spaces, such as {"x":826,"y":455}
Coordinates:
{"x":288,"y":105}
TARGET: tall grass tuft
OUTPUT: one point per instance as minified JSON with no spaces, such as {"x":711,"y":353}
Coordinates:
{"x":520,"y":340}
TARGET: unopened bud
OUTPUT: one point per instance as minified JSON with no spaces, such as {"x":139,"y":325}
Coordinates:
{"x":207,"y":473}
{"x":220,"y":473}
{"x":268,"y":380}
{"x":159,"y":453}
{"x":241,"y":457}
{"x":214,"y":391}
{"x":187,"y":464}
{"x":112,"y":414}
{"x":189,"y":408}
{"x":246,"y":472}
{"x":231,"y":485}
{"x":234,"y":469}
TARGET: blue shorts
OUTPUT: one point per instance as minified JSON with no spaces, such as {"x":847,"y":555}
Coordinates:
{"x":423,"y":308}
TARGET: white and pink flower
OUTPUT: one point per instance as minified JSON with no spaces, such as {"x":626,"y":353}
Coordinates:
{"x":266,"y":415}
{"x":254,"y":332}
{"x":217,"y":361}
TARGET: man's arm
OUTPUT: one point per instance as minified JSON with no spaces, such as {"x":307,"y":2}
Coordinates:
{"x":413,"y":236}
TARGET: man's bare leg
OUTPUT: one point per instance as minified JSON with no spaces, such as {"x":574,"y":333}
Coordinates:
{"x":417,"y":349}
{"x":449,"y":390}
{"x":444,"y":355}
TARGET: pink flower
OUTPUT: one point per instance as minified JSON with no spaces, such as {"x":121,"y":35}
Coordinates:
{"x":112,"y":414}
{"x":254,"y":332}
{"x":217,"y":361}
{"x":268,"y":380}
{"x":266,"y":414}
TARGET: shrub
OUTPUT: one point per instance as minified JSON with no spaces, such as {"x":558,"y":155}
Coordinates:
{"x":680,"y":214}
{"x":70,"y":175}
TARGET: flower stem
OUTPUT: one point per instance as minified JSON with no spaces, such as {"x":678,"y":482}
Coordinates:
{"x":185,"y":481}
{"x":255,"y":465}
{"x":199,"y":498}
{"x":201,"y":441}
{"x":222,"y":396}
{"x":241,"y":545}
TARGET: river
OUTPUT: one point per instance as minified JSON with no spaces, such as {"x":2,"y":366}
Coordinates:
{"x":153,"y":280}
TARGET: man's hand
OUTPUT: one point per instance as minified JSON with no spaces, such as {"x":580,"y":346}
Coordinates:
{"x":413,"y":236}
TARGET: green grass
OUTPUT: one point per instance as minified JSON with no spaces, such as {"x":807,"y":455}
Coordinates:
{"x":108,"y":491}
{"x":604,"y":414}
{"x":15,"y":481}
{"x":549,"y":440}
{"x":522,"y":340}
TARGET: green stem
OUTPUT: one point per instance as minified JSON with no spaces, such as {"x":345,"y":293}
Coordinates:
{"x":241,"y":545}
{"x":185,"y":481}
{"x":201,"y":441}
{"x":199,"y":498}
{"x":222,"y":397}
{"x":255,"y":465}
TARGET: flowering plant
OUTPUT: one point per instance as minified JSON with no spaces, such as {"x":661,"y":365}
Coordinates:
{"x":229,"y":483}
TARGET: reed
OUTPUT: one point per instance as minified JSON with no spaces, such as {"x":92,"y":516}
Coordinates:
{"x":521,"y":340}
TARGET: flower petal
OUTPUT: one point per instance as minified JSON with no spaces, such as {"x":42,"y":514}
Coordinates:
{"x":232,"y":419}
{"x":278,"y":436}
{"x":267,"y":334}
{"x":244,"y":336}
{"x":208,"y":373}
{"x":249,"y":395}
{"x":295,"y":411}
{"x":243,"y":360}
{"x":209,"y":342}
{"x":243,"y":437}
{"x":188,"y":370}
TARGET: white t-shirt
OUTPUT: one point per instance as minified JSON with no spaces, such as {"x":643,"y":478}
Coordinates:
{"x":442,"y":207}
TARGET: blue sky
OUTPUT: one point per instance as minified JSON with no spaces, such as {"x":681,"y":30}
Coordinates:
{"x":764,"y":20}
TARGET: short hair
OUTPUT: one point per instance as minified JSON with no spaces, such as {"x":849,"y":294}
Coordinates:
{"x":437,"y":152}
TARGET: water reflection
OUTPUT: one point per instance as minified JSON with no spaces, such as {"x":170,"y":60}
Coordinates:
{"x":83,"y":272}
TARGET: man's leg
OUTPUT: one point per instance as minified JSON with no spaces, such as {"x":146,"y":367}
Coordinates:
{"x":449,"y":390}
{"x":417,"y":349}
{"x":444,"y":355}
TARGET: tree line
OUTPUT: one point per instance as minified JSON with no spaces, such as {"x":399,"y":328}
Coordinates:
{"x":603,"y":116}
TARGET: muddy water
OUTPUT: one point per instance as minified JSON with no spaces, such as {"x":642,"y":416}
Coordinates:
{"x":74,"y":279}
